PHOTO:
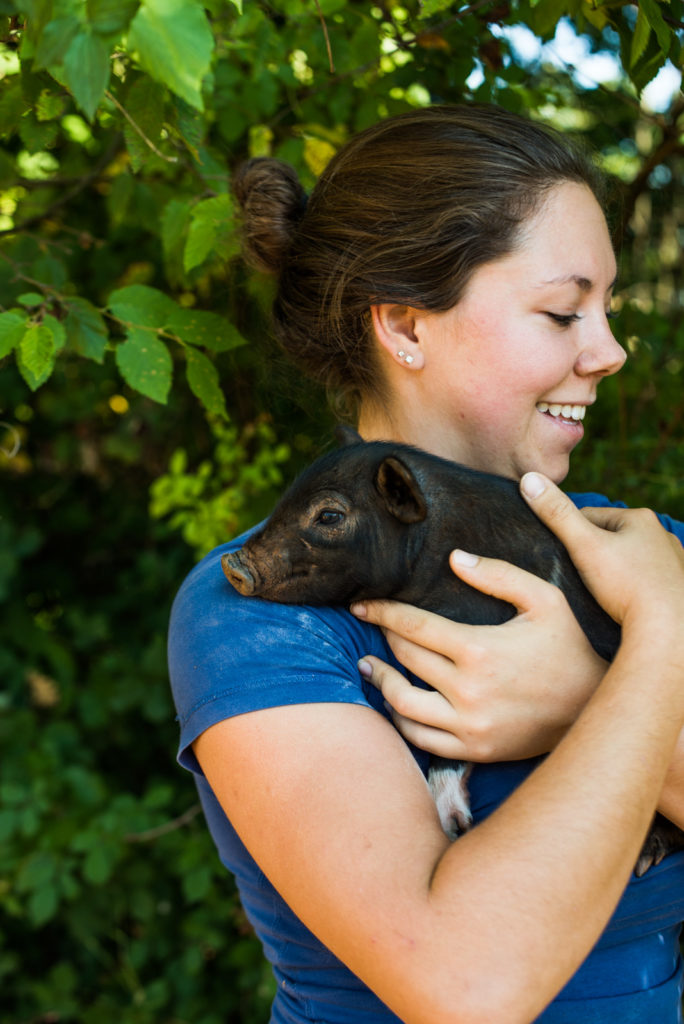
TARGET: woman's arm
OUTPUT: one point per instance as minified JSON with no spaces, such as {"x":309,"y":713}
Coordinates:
{"x":331,"y":805}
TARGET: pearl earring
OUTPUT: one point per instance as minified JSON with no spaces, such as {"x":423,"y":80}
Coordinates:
{"x":402,"y":355}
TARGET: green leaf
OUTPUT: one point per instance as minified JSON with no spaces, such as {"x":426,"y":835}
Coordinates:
{"x":119,"y":198}
{"x":648,"y":66}
{"x":209,"y":230}
{"x":12,"y":329}
{"x":13,"y":105}
{"x":138,"y":305}
{"x":50,"y":105}
{"x":43,"y":904}
{"x":199,"y":327}
{"x":8,"y":824}
{"x":203,"y":379}
{"x":197,"y":883}
{"x":642,"y":32}
{"x":145,"y":106}
{"x":86,"y":330}
{"x":7,"y":170}
{"x":55,"y":40}
{"x":430,"y":7}
{"x":191,"y":125}
{"x":145,"y":364}
{"x":545,"y":15}
{"x":30,"y":299}
{"x":652,"y":10}
{"x":174,"y":44}
{"x":37,"y":135}
{"x":58,"y":330}
{"x":98,"y":865}
{"x":37,"y":870}
{"x":175,"y":220}
{"x":86,"y":71}
{"x":111,"y":17}
{"x":36,"y":355}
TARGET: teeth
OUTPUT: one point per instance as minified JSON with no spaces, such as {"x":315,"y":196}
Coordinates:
{"x":568,"y":412}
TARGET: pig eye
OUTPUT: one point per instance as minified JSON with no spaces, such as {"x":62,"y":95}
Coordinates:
{"x":329,"y":517}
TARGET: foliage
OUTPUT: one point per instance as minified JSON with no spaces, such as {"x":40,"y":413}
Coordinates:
{"x":219,"y":499}
{"x":140,"y":396}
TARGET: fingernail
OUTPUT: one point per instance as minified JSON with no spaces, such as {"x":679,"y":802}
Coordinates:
{"x":532,"y":485}
{"x":359,"y":610}
{"x":464,"y":558}
{"x":365,"y":668}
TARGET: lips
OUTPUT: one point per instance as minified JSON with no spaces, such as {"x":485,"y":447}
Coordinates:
{"x":566,"y":412}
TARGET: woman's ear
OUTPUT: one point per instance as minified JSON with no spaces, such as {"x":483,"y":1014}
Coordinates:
{"x":395,"y":329}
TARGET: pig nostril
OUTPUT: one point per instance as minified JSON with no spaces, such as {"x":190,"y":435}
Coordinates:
{"x":238,"y":575}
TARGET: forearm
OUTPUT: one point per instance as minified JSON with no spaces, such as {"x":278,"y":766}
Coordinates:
{"x":564,"y":844}
{"x":671,"y":802}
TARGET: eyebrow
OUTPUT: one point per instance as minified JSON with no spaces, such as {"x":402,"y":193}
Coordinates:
{"x":582,"y":282}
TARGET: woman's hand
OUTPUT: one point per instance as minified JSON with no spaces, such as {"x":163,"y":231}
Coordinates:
{"x":632,"y":565}
{"x":501,"y":692}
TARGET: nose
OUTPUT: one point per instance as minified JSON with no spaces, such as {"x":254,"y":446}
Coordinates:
{"x":238,"y":573}
{"x":601,"y":354}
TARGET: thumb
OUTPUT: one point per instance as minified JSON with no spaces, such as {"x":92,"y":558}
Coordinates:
{"x":504,"y":580}
{"x":560,"y":514}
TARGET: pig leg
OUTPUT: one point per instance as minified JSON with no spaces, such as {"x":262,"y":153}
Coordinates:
{"x":664,"y":838}
{"x":448,"y":784}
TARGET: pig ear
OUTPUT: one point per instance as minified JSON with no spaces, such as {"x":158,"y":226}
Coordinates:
{"x":345,"y":435}
{"x":397,"y":486}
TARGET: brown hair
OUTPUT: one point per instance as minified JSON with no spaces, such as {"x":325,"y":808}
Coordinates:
{"x":404,"y":213}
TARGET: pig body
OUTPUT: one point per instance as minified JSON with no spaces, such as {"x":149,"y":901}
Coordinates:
{"x":378,"y":520}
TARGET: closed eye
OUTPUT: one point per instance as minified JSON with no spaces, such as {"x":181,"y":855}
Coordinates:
{"x":564,"y":319}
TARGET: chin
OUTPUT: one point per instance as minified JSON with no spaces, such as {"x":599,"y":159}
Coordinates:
{"x":556,"y":469}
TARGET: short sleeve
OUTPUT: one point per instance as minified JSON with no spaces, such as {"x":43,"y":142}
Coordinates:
{"x":229,"y":654}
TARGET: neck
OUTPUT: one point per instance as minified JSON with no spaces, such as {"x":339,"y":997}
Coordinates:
{"x":409,"y":427}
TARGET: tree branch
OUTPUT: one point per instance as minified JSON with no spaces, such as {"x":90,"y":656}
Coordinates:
{"x":169,"y":826}
{"x":136,"y":128}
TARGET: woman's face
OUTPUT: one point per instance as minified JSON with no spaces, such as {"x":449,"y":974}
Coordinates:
{"x":509,"y":372}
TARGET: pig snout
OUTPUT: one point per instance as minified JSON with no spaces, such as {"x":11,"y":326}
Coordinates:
{"x":239,"y":573}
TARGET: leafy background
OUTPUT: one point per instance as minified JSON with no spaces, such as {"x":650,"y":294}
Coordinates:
{"x":145,"y":415}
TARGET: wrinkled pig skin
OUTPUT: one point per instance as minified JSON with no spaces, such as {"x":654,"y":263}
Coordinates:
{"x":378,"y":520}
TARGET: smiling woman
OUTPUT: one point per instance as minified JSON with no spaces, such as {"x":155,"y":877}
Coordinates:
{"x":487,"y":369}
{"x":450,"y":276}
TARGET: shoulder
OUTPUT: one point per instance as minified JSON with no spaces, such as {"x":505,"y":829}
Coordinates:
{"x":228,"y":654}
{"x":585,"y":500}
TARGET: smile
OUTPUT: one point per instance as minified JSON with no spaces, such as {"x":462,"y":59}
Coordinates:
{"x":567,"y":412}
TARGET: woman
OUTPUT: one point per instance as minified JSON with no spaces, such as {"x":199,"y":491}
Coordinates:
{"x":451,"y":274}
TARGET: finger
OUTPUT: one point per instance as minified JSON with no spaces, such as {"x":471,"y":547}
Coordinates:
{"x":432,"y":666}
{"x":409,"y":701}
{"x":558,"y":512}
{"x":435,"y":741}
{"x":503,"y":580}
{"x":424,"y":628}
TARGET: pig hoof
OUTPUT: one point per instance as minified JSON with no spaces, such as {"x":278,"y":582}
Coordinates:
{"x":447,"y":782}
{"x":455,"y":823}
{"x":664,"y":838}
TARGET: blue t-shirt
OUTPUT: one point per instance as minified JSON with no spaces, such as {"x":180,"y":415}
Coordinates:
{"x":229,"y":655}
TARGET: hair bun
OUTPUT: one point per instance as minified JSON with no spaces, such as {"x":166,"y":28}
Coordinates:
{"x":273,"y":202}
